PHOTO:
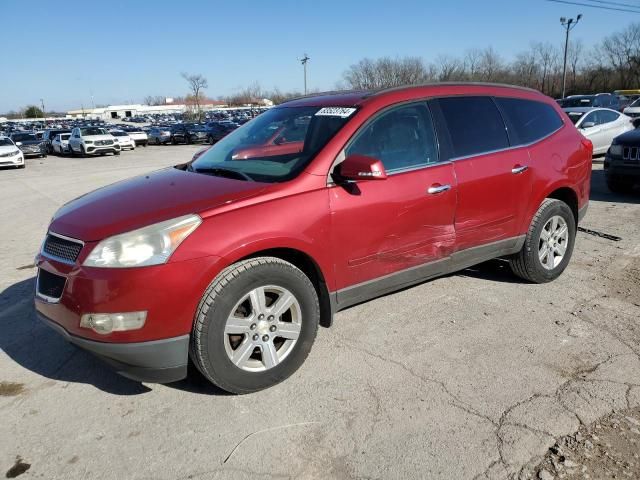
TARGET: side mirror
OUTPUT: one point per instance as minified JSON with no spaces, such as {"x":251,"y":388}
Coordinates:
{"x":588,"y":125}
{"x":360,"y":167}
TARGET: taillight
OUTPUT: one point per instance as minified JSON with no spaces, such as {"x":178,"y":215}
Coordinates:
{"x":586,"y":143}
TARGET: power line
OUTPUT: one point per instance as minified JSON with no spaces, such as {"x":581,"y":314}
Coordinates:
{"x":618,"y":4}
{"x":594,"y":6}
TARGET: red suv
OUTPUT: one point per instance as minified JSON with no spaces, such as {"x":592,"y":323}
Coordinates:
{"x":233,"y":260}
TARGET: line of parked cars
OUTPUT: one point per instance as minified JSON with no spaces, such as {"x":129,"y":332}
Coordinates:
{"x":610,"y":121}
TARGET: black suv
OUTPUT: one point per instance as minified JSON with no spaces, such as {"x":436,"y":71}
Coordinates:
{"x":602,"y":100}
{"x":49,"y":135}
{"x":185,"y":133}
{"x":622,"y":162}
{"x":217,"y":130}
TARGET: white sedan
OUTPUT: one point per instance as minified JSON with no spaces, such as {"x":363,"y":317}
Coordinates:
{"x":123,"y":139}
{"x":10,"y":154}
{"x":600,"y":125}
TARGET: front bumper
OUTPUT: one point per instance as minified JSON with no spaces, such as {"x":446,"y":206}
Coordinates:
{"x":94,"y":149}
{"x":14,"y":161}
{"x":159,"y":361}
{"x":618,"y":167}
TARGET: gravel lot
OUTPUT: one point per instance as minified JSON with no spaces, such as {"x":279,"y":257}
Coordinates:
{"x":474,"y":375}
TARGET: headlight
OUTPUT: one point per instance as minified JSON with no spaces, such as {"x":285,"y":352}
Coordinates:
{"x":152,"y":245}
{"x":88,"y":142}
{"x":615,"y":150}
{"x":14,"y":153}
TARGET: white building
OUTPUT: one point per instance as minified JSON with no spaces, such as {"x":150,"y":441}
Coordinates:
{"x":114,"y":112}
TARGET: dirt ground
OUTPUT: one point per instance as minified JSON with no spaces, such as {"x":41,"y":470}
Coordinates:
{"x":475,"y":375}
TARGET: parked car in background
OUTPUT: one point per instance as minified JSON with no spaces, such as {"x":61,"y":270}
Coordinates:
{"x":29,"y":144}
{"x":599,"y":100}
{"x":92,"y":141}
{"x":49,"y":135}
{"x":123,"y":139}
{"x":159,"y":135}
{"x":139,"y":137}
{"x":60,"y":143}
{"x":633,"y":110}
{"x":235,"y":263}
{"x":218,"y":130}
{"x":187,"y":133}
{"x":600,"y":125}
{"x":622,"y":162}
{"x":10,"y":154}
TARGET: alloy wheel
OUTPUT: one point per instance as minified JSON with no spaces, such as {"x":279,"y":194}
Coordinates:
{"x":554,"y":240}
{"x":262,"y":328}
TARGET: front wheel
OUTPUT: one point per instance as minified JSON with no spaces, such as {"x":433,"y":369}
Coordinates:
{"x":255,"y":325}
{"x":548,"y":244}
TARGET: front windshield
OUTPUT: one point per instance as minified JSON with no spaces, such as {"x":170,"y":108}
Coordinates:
{"x":578,"y":102}
{"x":119,"y":134}
{"x":636,"y":103}
{"x":65,"y":136}
{"x":575,"y":116}
{"x":92,"y":131}
{"x":275,"y":146}
{"x":24,"y":137}
{"x":5,"y":142}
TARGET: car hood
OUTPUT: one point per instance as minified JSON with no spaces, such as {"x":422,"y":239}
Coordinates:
{"x":629,"y":139}
{"x":145,"y":200}
{"x":97,"y":137}
{"x":8,"y":149}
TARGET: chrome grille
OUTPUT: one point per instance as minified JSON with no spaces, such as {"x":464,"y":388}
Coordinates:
{"x":104,"y":142}
{"x":62,"y":248}
{"x":631,"y":154}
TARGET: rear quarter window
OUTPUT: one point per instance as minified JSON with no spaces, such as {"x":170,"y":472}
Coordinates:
{"x":527,"y":120}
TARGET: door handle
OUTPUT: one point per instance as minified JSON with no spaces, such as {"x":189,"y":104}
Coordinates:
{"x":437,"y":188}
{"x":519,"y":169}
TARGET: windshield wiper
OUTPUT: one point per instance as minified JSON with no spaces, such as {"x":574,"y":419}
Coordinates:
{"x":221,"y":172}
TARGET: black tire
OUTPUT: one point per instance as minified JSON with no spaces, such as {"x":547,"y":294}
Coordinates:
{"x":207,"y":350}
{"x":22,"y":166}
{"x":210,"y":140}
{"x":117,"y":152}
{"x":526,"y":264}
{"x":616,"y":185}
{"x":173,"y":141}
{"x":83,"y":152}
{"x":72,"y":153}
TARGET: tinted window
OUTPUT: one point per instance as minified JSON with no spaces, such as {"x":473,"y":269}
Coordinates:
{"x":592,"y":117}
{"x":528,"y":121}
{"x":608,"y":116}
{"x":401,"y":138}
{"x":474,"y":124}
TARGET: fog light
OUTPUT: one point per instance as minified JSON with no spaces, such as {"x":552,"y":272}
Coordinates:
{"x":105,"y":323}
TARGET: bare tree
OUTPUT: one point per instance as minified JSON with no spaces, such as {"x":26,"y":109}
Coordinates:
{"x":449,"y":68}
{"x":152,"y":100}
{"x":197,"y":83}
{"x":386,"y":72}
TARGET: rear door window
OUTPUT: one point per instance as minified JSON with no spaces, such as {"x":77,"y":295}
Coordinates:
{"x":474,"y":124}
{"x":527,"y":120}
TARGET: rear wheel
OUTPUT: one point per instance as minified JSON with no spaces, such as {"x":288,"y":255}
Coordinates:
{"x":255,"y":325}
{"x":548,"y":244}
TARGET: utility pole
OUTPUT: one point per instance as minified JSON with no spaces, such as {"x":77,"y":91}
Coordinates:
{"x":568,"y":25}
{"x":304,"y":61}
{"x":44,"y":115}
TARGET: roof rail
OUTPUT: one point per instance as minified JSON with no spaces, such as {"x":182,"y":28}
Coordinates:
{"x":450,"y":84}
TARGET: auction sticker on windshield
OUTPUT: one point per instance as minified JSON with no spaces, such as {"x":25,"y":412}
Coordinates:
{"x":342,"y":112}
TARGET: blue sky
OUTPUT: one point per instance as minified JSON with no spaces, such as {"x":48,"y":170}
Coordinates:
{"x":121,"y":51}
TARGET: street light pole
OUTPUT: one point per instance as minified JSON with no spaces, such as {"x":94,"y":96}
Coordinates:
{"x":44,"y":115}
{"x":304,"y":61}
{"x":568,"y":25}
